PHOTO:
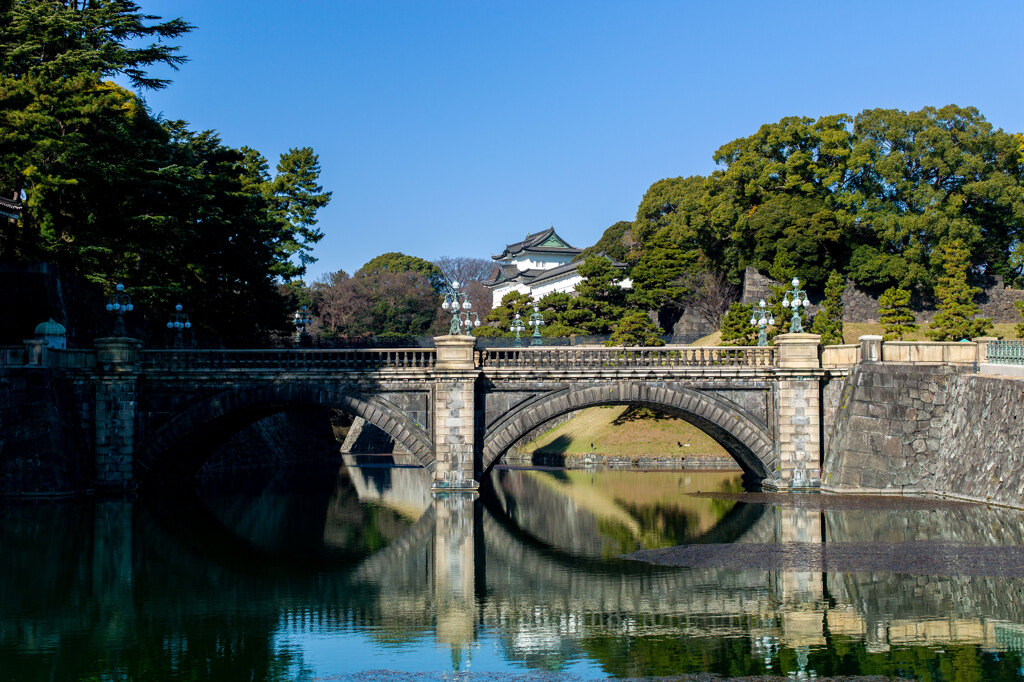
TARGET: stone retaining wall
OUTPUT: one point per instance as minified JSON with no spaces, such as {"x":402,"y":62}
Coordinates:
{"x":934,"y":429}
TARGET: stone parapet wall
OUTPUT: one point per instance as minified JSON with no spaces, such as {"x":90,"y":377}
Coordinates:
{"x":936,"y":429}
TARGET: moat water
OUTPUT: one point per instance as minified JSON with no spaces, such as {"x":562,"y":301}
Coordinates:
{"x":552,"y":574}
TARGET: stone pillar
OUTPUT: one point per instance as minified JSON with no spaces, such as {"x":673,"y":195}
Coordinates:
{"x":118,"y":363}
{"x":454,"y":569}
{"x":870,"y":348}
{"x":35,"y":352}
{"x":798,"y":405}
{"x":983,"y":342}
{"x":455,"y":375}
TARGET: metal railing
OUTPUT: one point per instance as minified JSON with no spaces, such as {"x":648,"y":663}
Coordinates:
{"x":1003,"y":352}
{"x":601,"y":358}
{"x":298,"y":360}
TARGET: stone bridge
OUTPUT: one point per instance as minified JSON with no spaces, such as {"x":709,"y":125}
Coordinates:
{"x":153,"y":416}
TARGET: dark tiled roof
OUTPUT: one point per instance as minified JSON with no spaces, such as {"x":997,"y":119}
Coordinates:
{"x":534,"y":276}
{"x":532,"y":243}
{"x":10,"y":208}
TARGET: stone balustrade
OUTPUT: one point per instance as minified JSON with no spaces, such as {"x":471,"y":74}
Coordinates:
{"x":603,"y":358}
{"x":290,"y":359}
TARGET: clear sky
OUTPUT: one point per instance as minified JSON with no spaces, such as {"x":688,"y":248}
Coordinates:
{"x":453,"y":128}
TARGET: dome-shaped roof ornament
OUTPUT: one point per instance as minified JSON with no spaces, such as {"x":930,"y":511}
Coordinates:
{"x":53,"y":333}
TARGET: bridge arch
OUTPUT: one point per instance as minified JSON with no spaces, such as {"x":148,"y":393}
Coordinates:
{"x":178,"y":448}
{"x":745,"y":439}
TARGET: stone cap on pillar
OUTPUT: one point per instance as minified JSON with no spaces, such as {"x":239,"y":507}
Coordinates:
{"x":455,"y":352}
{"x":797,"y":351}
{"x":870,"y":348}
{"x":983,"y":342}
{"x":118,"y":354}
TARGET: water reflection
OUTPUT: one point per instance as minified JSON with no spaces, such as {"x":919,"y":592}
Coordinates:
{"x":361,"y":569}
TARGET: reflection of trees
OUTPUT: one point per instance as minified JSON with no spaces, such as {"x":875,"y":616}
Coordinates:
{"x":182,"y":595}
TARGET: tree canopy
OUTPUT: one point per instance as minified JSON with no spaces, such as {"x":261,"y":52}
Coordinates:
{"x":113,"y":193}
{"x":870,"y":196}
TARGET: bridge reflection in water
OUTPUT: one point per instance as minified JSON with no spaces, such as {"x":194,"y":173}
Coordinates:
{"x":234,"y":586}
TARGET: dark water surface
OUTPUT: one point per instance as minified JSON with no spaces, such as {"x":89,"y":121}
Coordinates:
{"x":548,"y":574}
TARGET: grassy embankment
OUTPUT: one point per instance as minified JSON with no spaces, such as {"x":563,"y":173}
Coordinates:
{"x":621,"y":431}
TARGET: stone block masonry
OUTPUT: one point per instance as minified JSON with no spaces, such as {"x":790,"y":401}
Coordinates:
{"x":929,"y":429}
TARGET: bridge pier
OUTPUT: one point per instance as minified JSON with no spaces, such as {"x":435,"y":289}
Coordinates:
{"x":118,"y":366}
{"x":454,"y":407}
{"x":798,"y":408}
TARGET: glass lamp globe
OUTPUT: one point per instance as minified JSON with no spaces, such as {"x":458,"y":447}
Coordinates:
{"x":762,"y":322}
{"x":796,"y":282}
{"x":467,"y":305}
{"x":807,"y":303}
{"x":178,"y":307}
{"x":761,"y":303}
{"x":188,"y":325}
{"x":771,"y":320}
{"x":785,"y":303}
{"x":110,"y":307}
{"x":476,"y":323}
{"x":129,"y":307}
{"x":753,"y":321}
{"x":120,"y":287}
{"x":170,"y":325}
{"x":455,"y":284}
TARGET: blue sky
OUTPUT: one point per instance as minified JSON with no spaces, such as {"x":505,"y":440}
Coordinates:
{"x":452,"y":128}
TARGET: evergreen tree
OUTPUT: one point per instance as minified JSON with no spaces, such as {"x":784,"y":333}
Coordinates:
{"x":828,"y":323}
{"x":736,"y":327}
{"x":600,"y":301}
{"x":955,"y":319}
{"x":895,"y":314}
{"x":512,"y":303}
{"x":636,"y":329}
{"x":1019,"y":327}
{"x":297,"y":197}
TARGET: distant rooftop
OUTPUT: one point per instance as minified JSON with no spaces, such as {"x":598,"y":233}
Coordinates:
{"x":545,"y":241}
{"x":10,"y":208}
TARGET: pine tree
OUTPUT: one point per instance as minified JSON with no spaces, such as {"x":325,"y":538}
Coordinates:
{"x":955,"y":319}
{"x":636,"y":329}
{"x":736,"y":327}
{"x":895,"y":315}
{"x":828,"y":323}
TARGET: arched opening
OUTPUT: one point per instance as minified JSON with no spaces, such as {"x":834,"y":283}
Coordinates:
{"x":173,"y":455}
{"x":746,"y":440}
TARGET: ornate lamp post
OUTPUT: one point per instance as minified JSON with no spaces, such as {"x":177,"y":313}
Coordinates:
{"x":518,"y":327}
{"x":536,"y":321}
{"x":303,"y":318}
{"x":457,"y":303}
{"x":178,"y":321}
{"x":794,"y":299}
{"x":761,"y":318}
{"x":119,"y":303}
